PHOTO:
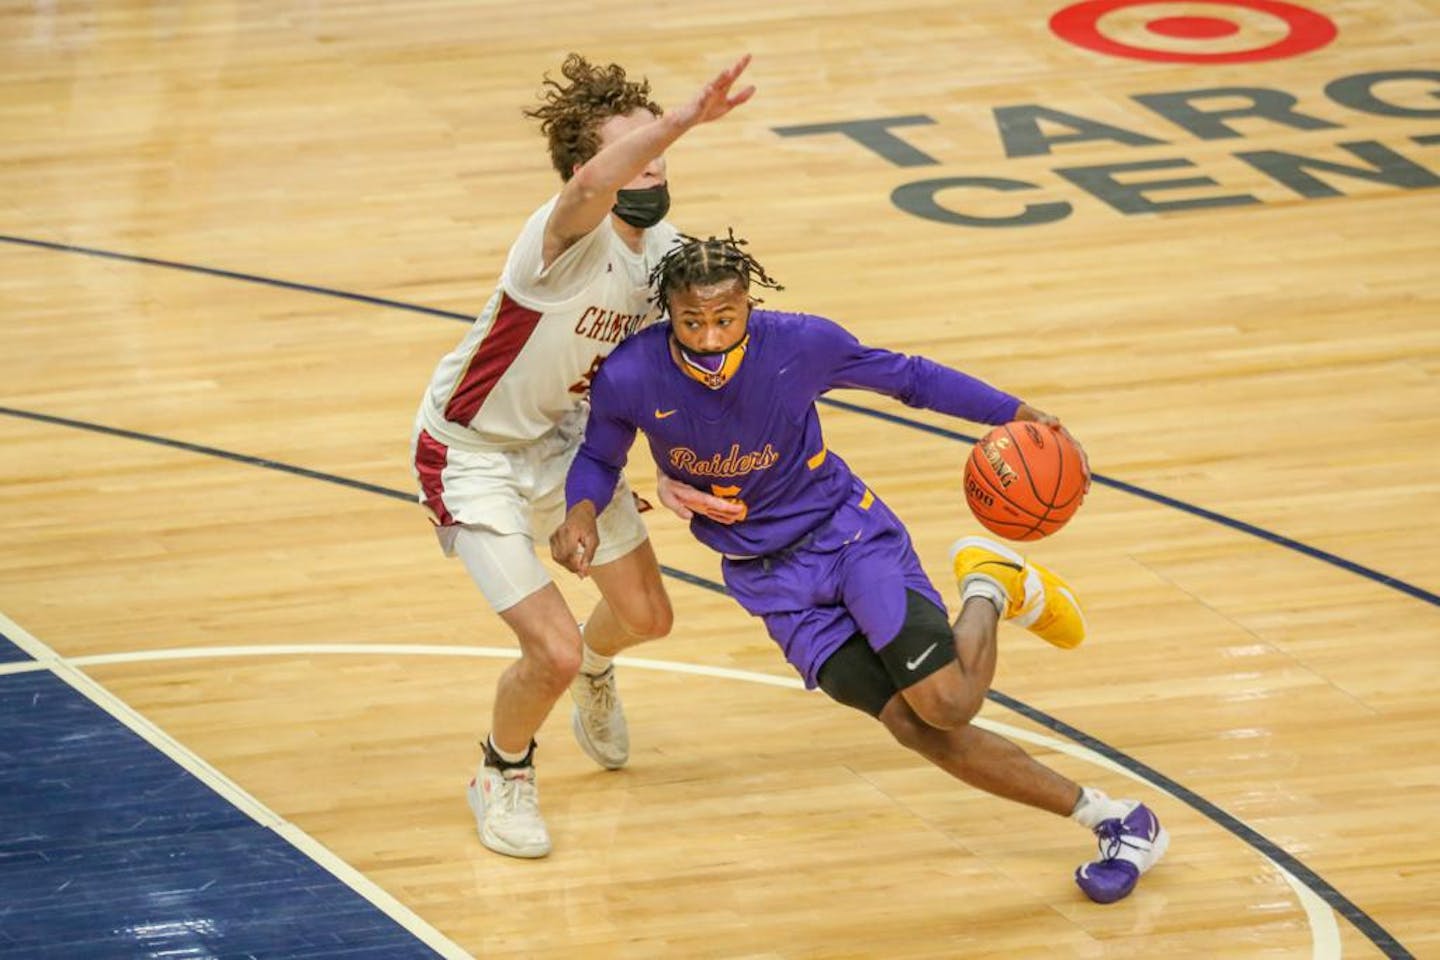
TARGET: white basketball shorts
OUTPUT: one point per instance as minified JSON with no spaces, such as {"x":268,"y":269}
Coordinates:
{"x":492,"y":508}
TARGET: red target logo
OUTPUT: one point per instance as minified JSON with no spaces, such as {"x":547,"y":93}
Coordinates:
{"x":1240,"y":31}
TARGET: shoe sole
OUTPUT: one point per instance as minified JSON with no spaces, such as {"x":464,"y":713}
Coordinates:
{"x":477,"y":807}
{"x":985,"y":544}
{"x":1158,"y":846}
{"x":583,"y":738}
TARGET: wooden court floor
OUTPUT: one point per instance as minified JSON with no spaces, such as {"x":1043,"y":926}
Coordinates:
{"x":235,"y":238}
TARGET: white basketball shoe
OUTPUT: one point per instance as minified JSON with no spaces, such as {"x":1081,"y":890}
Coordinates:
{"x":506,"y":804}
{"x":598,"y":719}
{"x":1129,"y":847}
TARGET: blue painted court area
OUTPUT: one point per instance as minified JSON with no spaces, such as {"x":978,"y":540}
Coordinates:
{"x":9,"y":653}
{"x":108,"y":848}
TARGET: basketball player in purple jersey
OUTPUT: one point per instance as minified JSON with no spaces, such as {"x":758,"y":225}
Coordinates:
{"x":725,"y":394}
{"x":504,"y":411}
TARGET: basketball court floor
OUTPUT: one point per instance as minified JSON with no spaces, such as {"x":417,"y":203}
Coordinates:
{"x":242,"y":690}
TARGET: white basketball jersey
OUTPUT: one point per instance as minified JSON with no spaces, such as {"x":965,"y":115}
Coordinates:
{"x":525,"y":366}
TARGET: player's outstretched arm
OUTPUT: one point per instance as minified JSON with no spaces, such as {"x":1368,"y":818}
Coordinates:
{"x":587,"y":197}
{"x":844,"y":362}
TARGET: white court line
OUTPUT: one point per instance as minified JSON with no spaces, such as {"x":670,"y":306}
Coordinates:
{"x":48,"y":659}
{"x":1325,"y":932}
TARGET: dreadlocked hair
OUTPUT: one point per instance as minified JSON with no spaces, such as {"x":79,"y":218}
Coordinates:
{"x":693,"y":262}
{"x":573,"y":111}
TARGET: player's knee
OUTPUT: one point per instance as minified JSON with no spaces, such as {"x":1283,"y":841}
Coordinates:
{"x":908,"y":729}
{"x":558,"y":670}
{"x":653,"y":620}
{"x":944,"y":700}
{"x":553,"y":664}
{"x":664,"y":620}
{"x":940,"y":695}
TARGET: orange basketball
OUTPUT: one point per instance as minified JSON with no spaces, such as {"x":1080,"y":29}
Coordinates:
{"x":1025,"y":480}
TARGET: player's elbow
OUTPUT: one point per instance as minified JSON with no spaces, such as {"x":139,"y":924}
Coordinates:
{"x":588,"y":187}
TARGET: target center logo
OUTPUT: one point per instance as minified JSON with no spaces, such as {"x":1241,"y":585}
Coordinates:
{"x":1216,"y":31}
{"x":1150,"y":178}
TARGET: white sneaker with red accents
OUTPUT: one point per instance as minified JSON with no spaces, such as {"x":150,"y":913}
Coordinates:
{"x":506,"y":804}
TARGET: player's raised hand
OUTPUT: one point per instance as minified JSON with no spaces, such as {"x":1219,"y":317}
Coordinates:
{"x":573,"y":543}
{"x":715,"y":99}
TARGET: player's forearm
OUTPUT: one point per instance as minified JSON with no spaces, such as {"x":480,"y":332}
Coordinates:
{"x":626,"y":158}
{"x":962,"y":395}
{"x":923,"y":383}
{"x":590,"y":479}
{"x":590,"y":194}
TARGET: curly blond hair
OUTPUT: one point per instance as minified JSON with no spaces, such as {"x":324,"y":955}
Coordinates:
{"x":571,"y":116}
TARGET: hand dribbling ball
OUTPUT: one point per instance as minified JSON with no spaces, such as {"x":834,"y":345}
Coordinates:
{"x":1024,"y":480}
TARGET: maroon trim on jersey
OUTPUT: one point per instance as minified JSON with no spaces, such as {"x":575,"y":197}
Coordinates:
{"x":501,"y":345}
{"x":430,"y":458}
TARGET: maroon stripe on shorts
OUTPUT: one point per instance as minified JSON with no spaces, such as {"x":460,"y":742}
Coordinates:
{"x":501,"y":345}
{"x":430,"y":458}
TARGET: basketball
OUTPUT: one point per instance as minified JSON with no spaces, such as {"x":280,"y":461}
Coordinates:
{"x":1024,"y":480}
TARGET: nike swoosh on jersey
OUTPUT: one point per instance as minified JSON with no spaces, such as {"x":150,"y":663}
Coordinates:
{"x":662,"y":414}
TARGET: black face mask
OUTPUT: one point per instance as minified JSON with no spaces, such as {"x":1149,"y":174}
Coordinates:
{"x":643,"y":208}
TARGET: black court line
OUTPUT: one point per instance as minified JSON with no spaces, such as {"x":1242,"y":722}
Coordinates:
{"x":290,"y":468}
{"x":1384,"y":579}
{"x":1336,"y":900}
{"x":1333,"y":897}
{"x":232,"y":275}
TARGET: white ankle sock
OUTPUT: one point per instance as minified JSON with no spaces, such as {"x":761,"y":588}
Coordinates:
{"x":978,"y":585}
{"x":1094,"y":806}
{"x":592,"y":663}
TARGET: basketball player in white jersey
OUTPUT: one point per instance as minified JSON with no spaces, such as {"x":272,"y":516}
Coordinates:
{"x":505,"y":410}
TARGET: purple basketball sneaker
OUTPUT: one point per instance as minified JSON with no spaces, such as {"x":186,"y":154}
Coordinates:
{"x":1128,"y":847}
